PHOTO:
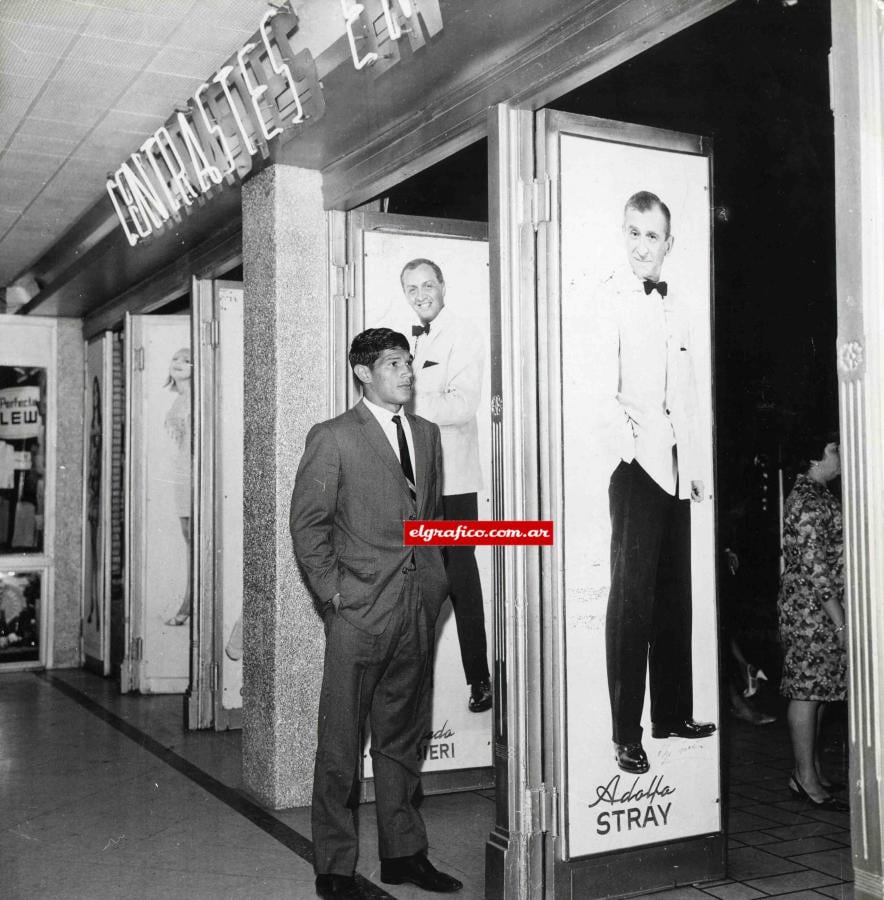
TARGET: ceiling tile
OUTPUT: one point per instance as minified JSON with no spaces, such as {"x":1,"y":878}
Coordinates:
{"x":131,"y":26}
{"x":13,"y":164}
{"x":108,"y":147}
{"x":21,"y":191}
{"x":40,"y":48}
{"x":46,"y":146}
{"x":89,"y":72}
{"x":23,"y":86}
{"x":95,"y":92}
{"x":36,"y":126}
{"x":139,"y":124}
{"x":117,"y":54}
{"x":13,"y":108}
{"x":240,"y":17}
{"x":55,"y":14}
{"x":157,"y":94}
{"x":66,"y":103}
{"x":186,"y":61}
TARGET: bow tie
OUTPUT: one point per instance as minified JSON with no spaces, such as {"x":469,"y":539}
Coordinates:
{"x":420,"y":329}
{"x":659,"y":286}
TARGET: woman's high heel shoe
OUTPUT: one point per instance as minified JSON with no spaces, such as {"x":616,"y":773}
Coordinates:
{"x":833,"y":803}
{"x":753,"y":676}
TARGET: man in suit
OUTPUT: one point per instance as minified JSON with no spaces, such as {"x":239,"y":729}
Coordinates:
{"x":448,"y":363}
{"x":649,"y":405}
{"x":362,"y":475}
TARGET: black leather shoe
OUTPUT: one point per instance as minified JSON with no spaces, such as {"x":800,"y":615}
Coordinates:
{"x":683,"y":728}
{"x":632,"y":758}
{"x":418,"y":870}
{"x":340,"y":887}
{"x":480,"y":696}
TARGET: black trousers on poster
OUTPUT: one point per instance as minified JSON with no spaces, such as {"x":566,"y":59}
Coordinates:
{"x":648,"y":626}
{"x":466,"y":591}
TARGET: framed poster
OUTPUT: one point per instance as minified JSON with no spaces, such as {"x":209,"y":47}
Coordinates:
{"x":159,"y":499}
{"x":97,"y":504}
{"x":393,"y":251}
{"x":23,"y":391}
{"x":628,"y":308}
{"x":21,"y":616}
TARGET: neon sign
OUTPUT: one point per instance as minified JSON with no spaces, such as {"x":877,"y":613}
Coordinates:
{"x":263,"y":89}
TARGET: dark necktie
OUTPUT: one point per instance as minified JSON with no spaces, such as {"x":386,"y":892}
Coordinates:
{"x":418,"y":330}
{"x":659,"y":286}
{"x":405,"y":456}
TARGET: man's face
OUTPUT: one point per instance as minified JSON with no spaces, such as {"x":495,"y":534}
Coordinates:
{"x":424,"y":292}
{"x":388,"y":382}
{"x":646,"y":242}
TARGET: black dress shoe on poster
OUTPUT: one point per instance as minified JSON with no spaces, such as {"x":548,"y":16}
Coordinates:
{"x":420,"y":871}
{"x":480,"y":696}
{"x":340,"y":887}
{"x":632,"y":758}
{"x":683,"y":728}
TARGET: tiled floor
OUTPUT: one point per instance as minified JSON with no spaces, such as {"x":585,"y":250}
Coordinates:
{"x":105,"y":796}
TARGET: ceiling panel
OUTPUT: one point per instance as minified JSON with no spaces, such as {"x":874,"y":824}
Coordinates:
{"x":185,"y":61}
{"x":114,"y":53}
{"x":84,"y":82}
{"x":52,"y":14}
{"x":63,"y":129}
{"x":44,"y":146}
{"x":133,"y":27}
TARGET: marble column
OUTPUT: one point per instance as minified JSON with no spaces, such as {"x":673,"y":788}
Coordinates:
{"x":287,"y":371}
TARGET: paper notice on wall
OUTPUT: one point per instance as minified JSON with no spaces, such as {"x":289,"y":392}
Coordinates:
{"x":20,"y":413}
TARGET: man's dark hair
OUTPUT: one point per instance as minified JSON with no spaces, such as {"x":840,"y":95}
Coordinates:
{"x":421,"y":262}
{"x":368,"y":345}
{"x":642,"y":201}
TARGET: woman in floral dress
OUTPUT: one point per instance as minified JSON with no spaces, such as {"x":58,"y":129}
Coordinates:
{"x":812,"y":622}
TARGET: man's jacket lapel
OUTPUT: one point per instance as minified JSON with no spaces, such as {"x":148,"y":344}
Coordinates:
{"x":377,"y":440}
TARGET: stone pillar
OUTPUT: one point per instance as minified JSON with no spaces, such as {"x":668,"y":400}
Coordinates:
{"x":287,"y":372}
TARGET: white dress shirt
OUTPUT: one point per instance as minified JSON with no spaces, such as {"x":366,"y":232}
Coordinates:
{"x":448,"y":367}
{"x":385,"y":420}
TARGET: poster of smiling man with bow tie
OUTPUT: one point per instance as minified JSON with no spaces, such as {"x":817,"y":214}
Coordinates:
{"x":434,"y":288}
{"x":637,"y":545}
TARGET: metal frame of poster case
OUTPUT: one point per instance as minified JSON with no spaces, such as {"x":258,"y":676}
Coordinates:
{"x":347,"y":326}
{"x":204,"y":706}
{"x":33,"y":342}
{"x":654,"y":865}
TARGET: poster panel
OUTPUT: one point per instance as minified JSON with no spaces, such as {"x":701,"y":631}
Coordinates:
{"x":619,"y":347}
{"x":161,"y":452}
{"x":229,"y":456}
{"x":96,"y":530}
{"x":459,"y":738}
{"x":21,"y":614}
{"x":22,"y":458}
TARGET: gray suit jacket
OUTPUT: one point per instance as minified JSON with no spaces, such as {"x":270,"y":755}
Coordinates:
{"x":348,"y":505}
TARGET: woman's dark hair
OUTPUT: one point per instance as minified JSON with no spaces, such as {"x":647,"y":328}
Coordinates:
{"x":368,"y":345}
{"x":806,"y":446}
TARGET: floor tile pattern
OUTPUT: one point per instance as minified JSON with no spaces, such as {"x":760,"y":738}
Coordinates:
{"x":105,"y":795}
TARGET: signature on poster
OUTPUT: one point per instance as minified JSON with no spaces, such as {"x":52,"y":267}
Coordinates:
{"x":437,"y":743}
{"x":632,"y":806}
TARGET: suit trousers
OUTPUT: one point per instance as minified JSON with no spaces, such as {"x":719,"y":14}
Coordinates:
{"x":648,"y":626}
{"x":386,"y":679}
{"x":466,"y":591}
